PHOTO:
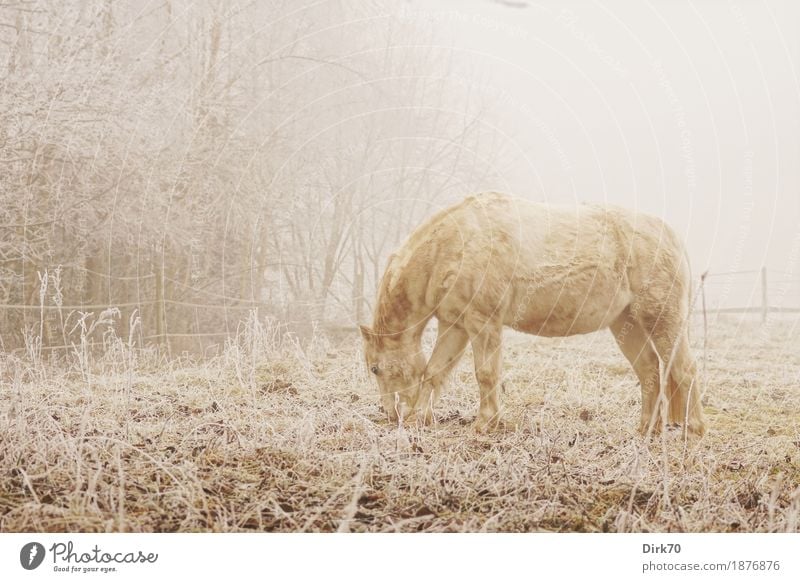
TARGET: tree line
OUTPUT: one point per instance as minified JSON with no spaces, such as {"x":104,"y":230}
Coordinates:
{"x":185,"y":163}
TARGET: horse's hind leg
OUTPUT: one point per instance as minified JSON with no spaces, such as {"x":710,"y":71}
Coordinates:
{"x":683,"y":388}
{"x":670,"y":336}
{"x":450,"y":344}
{"x":634,"y":342}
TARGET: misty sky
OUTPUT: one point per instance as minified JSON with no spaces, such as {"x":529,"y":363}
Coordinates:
{"x":688,"y":110}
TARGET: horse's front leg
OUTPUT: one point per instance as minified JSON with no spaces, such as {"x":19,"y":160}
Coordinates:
{"x":486,"y":348}
{"x":449,"y":348}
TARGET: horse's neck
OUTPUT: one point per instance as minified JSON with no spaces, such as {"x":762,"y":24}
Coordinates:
{"x":400,"y":315}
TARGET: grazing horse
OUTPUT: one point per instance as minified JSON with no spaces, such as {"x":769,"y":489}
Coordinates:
{"x":493,"y":261}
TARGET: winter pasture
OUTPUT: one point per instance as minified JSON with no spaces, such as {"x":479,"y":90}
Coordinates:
{"x":275,"y":434}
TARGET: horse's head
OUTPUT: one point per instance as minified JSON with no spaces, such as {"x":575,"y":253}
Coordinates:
{"x":398,"y":366}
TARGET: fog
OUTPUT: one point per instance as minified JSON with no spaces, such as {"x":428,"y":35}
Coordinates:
{"x":173,"y":170}
{"x":688,"y":110}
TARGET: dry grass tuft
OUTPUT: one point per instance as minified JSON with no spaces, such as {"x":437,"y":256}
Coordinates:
{"x":281,"y":437}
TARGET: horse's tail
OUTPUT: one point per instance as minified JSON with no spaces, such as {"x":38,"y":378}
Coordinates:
{"x":690,"y":299}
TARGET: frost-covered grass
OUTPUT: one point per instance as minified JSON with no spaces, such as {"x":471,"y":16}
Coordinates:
{"x":278,"y":436}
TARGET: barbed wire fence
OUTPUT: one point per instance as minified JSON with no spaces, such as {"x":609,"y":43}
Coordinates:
{"x":768,"y":291}
{"x":193,"y":319}
{"x":764,"y":278}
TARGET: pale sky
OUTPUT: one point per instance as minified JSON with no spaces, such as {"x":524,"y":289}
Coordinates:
{"x":688,"y":110}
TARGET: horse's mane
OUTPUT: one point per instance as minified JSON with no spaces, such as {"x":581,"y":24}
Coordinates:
{"x":383,"y":303}
{"x":392,"y":296}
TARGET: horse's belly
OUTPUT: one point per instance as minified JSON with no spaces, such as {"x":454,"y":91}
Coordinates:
{"x":570,"y":308}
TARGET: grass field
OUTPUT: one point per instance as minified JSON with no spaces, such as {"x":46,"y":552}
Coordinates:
{"x":276,"y":436}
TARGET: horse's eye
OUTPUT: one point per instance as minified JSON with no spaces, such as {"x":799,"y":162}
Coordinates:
{"x":374,"y":369}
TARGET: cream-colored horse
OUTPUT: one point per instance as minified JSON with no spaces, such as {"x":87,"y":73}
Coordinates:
{"x":494,"y":261}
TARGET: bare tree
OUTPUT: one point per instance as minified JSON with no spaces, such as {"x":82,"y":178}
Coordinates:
{"x":189,"y":162}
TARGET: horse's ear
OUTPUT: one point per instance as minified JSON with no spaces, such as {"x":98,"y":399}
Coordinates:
{"x":366,"y":333}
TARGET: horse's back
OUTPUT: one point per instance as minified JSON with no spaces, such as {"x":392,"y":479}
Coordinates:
{"x":544,"y":269}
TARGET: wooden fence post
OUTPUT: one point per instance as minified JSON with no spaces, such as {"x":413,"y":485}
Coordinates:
{"x":764,"y":296}
{"x":159,"y":305}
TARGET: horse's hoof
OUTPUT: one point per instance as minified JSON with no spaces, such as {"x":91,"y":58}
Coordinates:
{"x":480,"y":427}
{"x":648,"y":428}
{"x":496,"y":424}
{"x":697,"y":428}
